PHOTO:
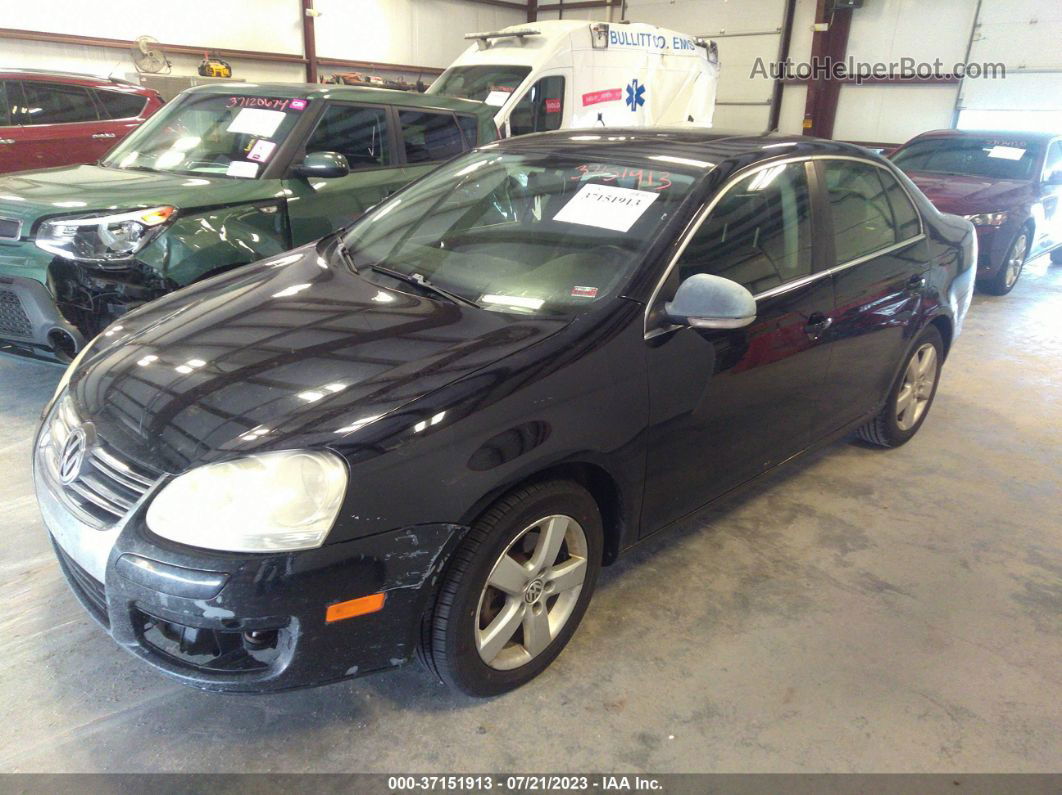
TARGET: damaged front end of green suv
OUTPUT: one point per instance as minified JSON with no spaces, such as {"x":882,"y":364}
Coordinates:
{"x":222,"y":176}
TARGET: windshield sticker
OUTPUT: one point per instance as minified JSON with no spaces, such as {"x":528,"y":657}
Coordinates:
{"x":1006,"y":152}
{"x":242,"y":168}
{"x":297,"y":104}
{"x":266,"y":103}
{"x":584,"y":292}
{"x":608,"y":95}
{"x":553,"y":106}
{"x":606,"y":207}
{"x":255,"y":121}
{"x":261,"y":150}
{"x":497,"y":98}
{"x":637,"y":177}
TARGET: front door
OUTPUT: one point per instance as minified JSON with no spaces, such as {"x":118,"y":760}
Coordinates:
{"x":386,"y":149}
{"x":1049,"y":233}
{"x":727,"y":405}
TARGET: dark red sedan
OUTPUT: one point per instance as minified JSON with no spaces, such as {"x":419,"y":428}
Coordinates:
{"x":59,"y":119}
{"x":1007,"y":183}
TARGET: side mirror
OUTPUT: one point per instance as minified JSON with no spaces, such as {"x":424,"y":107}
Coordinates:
{"x":1054,"y":178}
{"x":706,"y":301}
{"x":323,"y":164}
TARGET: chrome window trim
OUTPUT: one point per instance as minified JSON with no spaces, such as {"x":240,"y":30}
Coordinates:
{"x":692,"y":229}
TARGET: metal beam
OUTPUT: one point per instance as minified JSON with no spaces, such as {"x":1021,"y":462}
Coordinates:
{"x":784,"y":42}
{"x":309,"y":41}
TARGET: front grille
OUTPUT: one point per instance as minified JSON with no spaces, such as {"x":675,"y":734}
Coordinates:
{"x":13,"y":318}
{"x":89,"y":590}
{"x":9,"y":229}
{"x":108,"y":484}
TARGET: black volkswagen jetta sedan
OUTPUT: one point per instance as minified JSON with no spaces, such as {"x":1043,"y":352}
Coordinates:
{"x":429,"y":431}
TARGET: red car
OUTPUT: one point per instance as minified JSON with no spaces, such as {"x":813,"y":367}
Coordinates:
{"x":59,"y":119}
{"x":1009,"y":184}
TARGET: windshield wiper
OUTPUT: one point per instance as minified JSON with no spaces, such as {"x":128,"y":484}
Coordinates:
{"x":420,"y":281}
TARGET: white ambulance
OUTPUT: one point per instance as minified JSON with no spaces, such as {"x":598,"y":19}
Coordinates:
{"x":574,"y":74}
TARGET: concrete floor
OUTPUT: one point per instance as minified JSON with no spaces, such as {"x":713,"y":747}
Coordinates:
{"x":864,"y":611}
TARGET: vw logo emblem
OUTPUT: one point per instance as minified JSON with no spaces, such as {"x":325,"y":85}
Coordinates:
{"x":533,"y":591}
{"x":72,"y":457}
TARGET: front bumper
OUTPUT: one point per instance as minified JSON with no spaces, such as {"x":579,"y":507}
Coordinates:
{"x":30,"y":322}
{"x":247,"y":623}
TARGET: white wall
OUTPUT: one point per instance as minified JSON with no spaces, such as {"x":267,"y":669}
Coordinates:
{"x":411,"y":32}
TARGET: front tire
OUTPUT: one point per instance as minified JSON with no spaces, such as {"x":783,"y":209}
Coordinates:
{"x":1013,"y":263}
{"x":517,"y":588}
{"x":912,"y":395}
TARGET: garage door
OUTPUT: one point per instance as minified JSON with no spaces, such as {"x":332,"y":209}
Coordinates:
{"x":1022,"y":35}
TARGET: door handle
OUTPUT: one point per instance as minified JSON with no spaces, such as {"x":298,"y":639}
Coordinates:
{"x":103,"y":135}
{"x":817,"y":324}
{"x":916,"y":283}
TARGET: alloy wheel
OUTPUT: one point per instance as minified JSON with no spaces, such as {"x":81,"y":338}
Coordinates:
{"x":531,"y":592}
{"x":1016,"y":259}
{"x":917,"y":387}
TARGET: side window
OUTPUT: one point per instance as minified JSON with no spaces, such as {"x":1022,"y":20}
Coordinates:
{"x":358,"y":133}
{"x":121,"y":106}
{"x":430,"y":136}
{"x":56,"y":103}
{"x":540,"y":108}
{"x":862,"y":217}
{"x":1053,"y":164}
{"x":907,"y":221}
{"x":470,"y":127}
{"x":759,"y":234}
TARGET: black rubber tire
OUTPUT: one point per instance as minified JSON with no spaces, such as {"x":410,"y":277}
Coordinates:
{"x":997,"y":285}
{"x":883,"y":430}
{"x":1056,"y":256}
{"x":452,"y":653}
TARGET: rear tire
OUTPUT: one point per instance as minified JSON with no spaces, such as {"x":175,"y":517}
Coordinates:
{"x":516,"y":589}
{"x":1013,"y":264}
{"x":911,"y":396}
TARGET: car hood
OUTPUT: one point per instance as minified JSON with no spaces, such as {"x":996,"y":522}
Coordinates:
{"x":29,"y":195}
{"x":287,"y":352}
{"x":962,"y":195}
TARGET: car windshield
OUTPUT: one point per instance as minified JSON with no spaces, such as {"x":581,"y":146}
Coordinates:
{"x":490,"y":84}
{"x":1003,"y":157}
{"x":527,"y":233}
{"x":217,"y":134}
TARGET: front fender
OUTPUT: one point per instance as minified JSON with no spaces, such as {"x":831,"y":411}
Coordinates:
{"x":201,"y":243}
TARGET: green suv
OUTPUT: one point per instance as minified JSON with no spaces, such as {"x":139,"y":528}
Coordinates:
{"x":222,"y":176}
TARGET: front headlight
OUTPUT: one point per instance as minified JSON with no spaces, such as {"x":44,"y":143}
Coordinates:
{"x":262,"y":503}
{"x":987,"y":219}
{"x":102,"y":238}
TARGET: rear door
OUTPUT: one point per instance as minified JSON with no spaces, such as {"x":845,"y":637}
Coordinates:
{"x":121,"y":112}
{"x":61,"y":125}
{"x":728,"y":405}
{"x":882,"y":263}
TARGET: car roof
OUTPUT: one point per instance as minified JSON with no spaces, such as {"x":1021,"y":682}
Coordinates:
{"x":72,"y":77}
{"x":673,"y":145}
{"x":1031,"y":135}
{"x":380,"y":96}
